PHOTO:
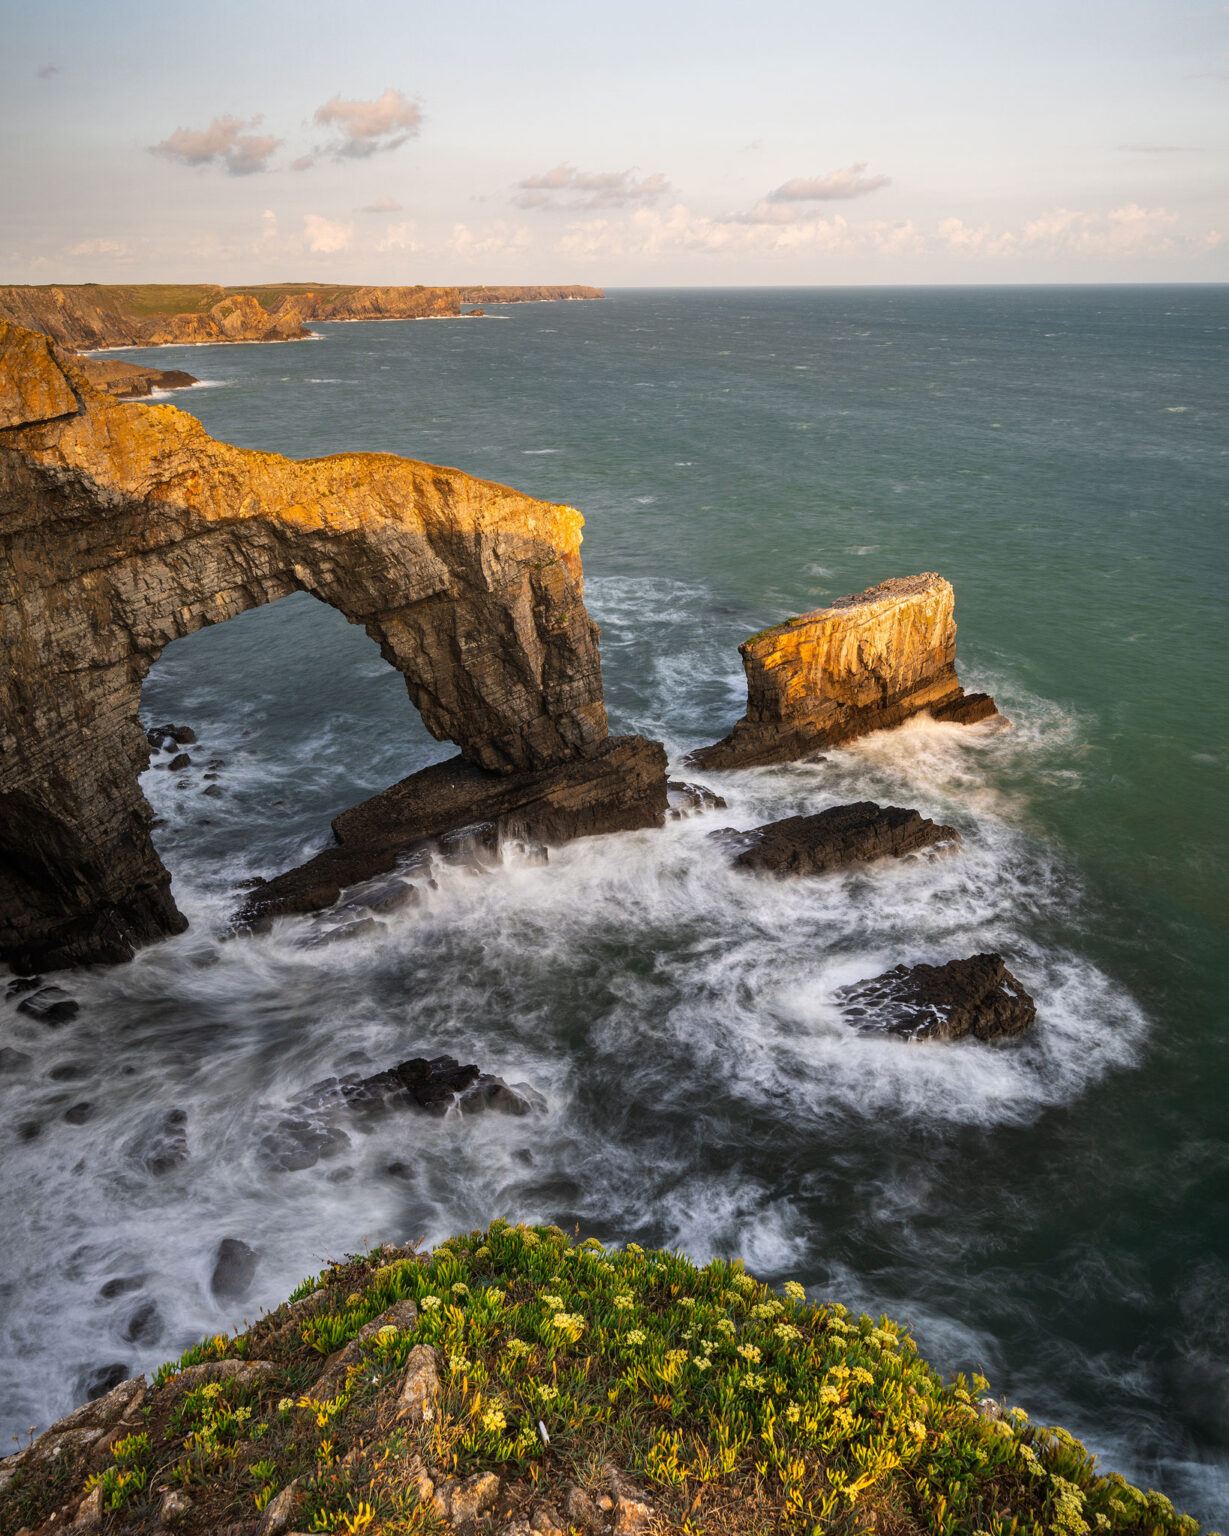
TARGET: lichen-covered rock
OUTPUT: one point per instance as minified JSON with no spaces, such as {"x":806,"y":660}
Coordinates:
{"x":421,"y":1387}
{"x":978,"y":996}
{"x":864,"y":663}
{"x":843,"y":834}
{"x":125,"y":526}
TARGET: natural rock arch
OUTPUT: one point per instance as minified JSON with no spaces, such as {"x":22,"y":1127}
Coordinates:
{"x":124,"y":527}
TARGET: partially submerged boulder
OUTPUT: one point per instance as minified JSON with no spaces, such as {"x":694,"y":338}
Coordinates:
{"x":432,"y":1085}
{"x":862,"y":664}
{"x":978,"y":997}
{"x":843,"y":834}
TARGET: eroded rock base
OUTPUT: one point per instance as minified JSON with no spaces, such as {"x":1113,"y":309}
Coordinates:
{"x":843,"y":834}
{"x":621,"y":788}
{"x":978,"y":997}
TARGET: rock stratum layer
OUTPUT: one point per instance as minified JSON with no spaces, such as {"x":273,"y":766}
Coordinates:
{"x":125,"y":526}
{"x":98,"y":315}
{"x":867,"y":662}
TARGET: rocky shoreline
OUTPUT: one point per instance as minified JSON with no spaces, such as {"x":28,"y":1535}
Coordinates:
{"x":93,"y":316}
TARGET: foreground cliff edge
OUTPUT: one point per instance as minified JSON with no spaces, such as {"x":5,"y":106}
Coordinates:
{"x":125,"y":526}
{"x":516,"y":1381}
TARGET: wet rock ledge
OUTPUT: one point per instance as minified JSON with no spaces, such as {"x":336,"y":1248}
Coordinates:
{"x":841,"y":835}
{"x":513,"y":1382}
{"x":620,"y":788}
{"x":863,"y":664}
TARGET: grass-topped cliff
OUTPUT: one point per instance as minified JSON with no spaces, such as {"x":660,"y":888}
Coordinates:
{"x":516,"y":1381}
{"x":96,"y":315}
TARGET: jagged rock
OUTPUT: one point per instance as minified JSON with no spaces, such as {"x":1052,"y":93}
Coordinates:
{"x":145,"y":529}
{"x":580,"y":1509}
{"x":460,"y":811}
{"x":545,"y":1521}
{"x":161,"y":736}
{"x":130,"y":381}
{"x":234,"y":1269}
{"x":402,"y":1315}
{"x":493,"y":1093}
{"x":22,"y":984}
{"x":279,"y":1513}
{"x":866,"y":662}
{"x":843,"y":834}
{"x":50,"y":1005}
{"x":101,"y":1416}
{"x":690,"y":799}
{"x":420,"y":1389}
{"x":177,"y":764}
{"x":246,"y":1372}
{"x":174,"y":1505}
{"x":462,"y":1503}
{"x":978,"y":996}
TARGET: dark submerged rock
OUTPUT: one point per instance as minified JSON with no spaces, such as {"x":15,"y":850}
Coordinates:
{"x":50,"y":1005}
{"x":79,"y":1113}
{"x":234,"y":1269}
{"x":145,"y":1325}
{"x":121,"y":1285}
{"x":296,"y":1142}
{"x":164,"y":1144}
{"x":843,"y":834}
{"x":21,"y":985}
{"x":11,"y":1060}
{"x":978,"y":996}
{"x":179,"y":761}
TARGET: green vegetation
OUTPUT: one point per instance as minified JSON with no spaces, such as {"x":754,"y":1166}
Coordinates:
{"x":734,"y":1408}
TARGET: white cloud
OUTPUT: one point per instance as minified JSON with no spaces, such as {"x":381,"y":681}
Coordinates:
{"x":498,"y":239}
{"x":303,"y":163}
{"x":382,"y":205}
{"x":566,"y":187}
{"x":834,"y":187}
{"x":367,"y":127}
{"x":982,"y":241}
{"x":100,"y":248}
{"x":223,"y":143}
{"x":399,"y":237}
{"x":325,"y":236}
{"x":1122,"y":231}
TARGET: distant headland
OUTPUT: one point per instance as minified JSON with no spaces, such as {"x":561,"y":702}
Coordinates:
{"x":99,"y":315}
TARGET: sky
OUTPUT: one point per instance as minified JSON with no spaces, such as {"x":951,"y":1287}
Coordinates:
{"x":715,"y":144}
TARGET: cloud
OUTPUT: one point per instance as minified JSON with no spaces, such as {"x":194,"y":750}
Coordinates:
{"x":650,"y":233}
{"x":303,"y":163}
{"x":834,"y":187}
{"x":99,"y":248}
{"x":326,"y":236}
{"x":498,"y":239}
{"x":566,"y":187}
{"x":223,"y":143}
{"x":1122,"y":231}
{"x":399,"y":237}
{"x":45,"y":71}
{"x":368,"y":127}
{"x":382,"y":205}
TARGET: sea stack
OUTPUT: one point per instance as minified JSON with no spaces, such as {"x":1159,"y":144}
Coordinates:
{"x":867,"y":662}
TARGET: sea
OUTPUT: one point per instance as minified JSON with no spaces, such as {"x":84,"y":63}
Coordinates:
{"x":1052,"y":1212}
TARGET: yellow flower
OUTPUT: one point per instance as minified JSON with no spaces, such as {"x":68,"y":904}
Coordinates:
{"x":624,"y":1301}
{"x":750,"y":1352}
{"x":794,"y":1291}
{"x":494,"y":1420}
{"x":634,"y":1337}
{"x":430,"y":1303}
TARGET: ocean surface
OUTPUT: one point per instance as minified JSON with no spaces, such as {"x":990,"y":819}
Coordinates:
{"x":1053,"y":1212}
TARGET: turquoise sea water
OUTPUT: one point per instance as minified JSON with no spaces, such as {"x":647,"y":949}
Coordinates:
{"x":1055,"y":1213}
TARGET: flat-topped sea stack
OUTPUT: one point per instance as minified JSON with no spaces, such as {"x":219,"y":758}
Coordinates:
{"x":865,"y":663}
{"x":125,"y":526}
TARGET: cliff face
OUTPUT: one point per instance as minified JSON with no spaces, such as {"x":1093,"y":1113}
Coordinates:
{"x":867,"y":662}
{"x":124,"y":526}
{"x":93,"y":315}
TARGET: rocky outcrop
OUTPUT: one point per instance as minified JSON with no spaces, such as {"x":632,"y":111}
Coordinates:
{"x":843,"y":834}
{"x":867,"y":662}
{"x":95,"y":315}
{"x":978,"y":997}
{"x":125,"y":526}
{"x":131,"y":381}
{"x":446,"y":809}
